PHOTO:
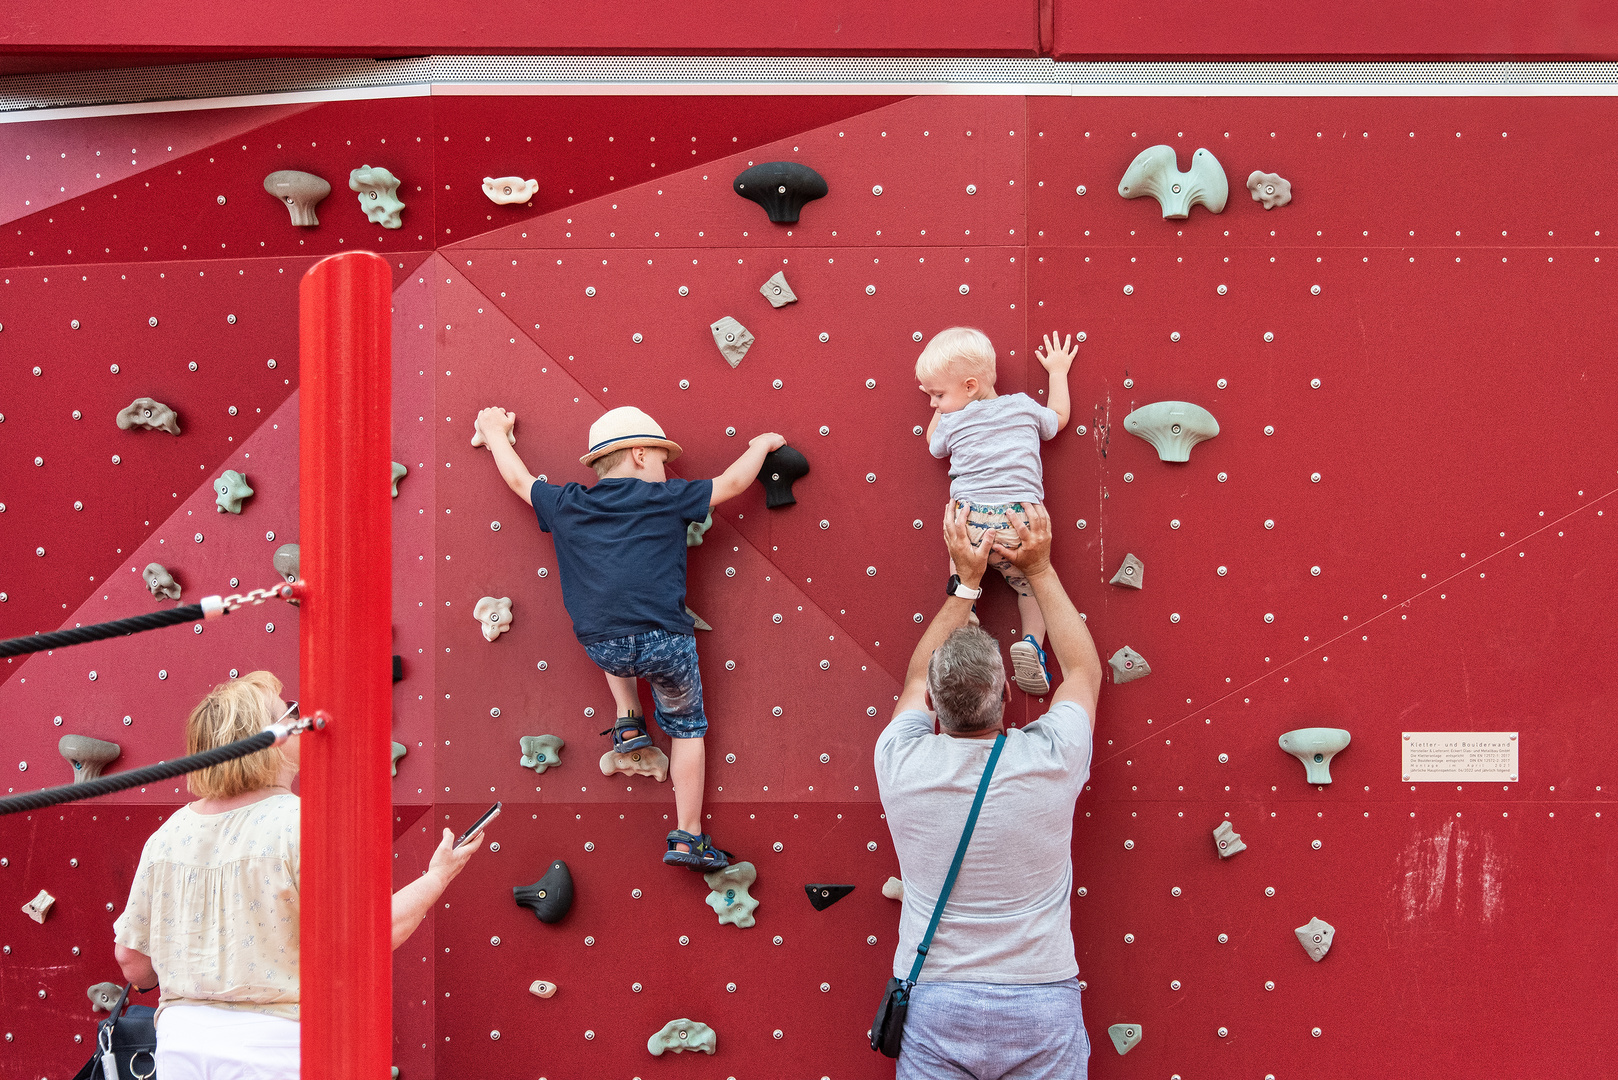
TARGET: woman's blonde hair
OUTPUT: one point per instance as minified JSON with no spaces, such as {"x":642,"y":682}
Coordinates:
{"x":961,"y":351}
{"x":238,"y":709}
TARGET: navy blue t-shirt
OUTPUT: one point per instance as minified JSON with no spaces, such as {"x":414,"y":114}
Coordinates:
{"x":620,"y":548}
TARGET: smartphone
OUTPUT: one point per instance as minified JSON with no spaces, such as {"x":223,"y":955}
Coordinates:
{"x":477,"y":826}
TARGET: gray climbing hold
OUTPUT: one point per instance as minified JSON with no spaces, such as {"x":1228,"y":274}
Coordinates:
{"x":398,"y":475}
{"x":1227,"y":840}
{"x":730,"y":898}
{"x":682,"y":1035}
{"x":695,"y":529}
{"x":1131,"y":574}
{"x":1124,"y":1036}
{"x":379,"y":195}
{"x":777,"y":291}
{"x":300,"y":191}
{"x":103,"y":996}
{"x":1172,"y":427}
{"x":550,"y":897}
{"x":231,"y":489}
{"x":541,"y":752}
{"x":493,"y":614}
{"x":160,"y":582}
{"x":1315,"y":937}
{"x":697,"y":621}
{"x":399,"y":751}
{"x":39,"y":908}
{"x":893,"y":889}
{"x":647,"y":761}
{"x":732,"y":338}
{"x":1128,"y":665}
{"x":781,"y":188}
{"x":87,"y":756}
{"x":509,"y":190}
{"x":1155,"y":172}
{"x":146,"y":413}
{"x":1315,"y":747}
{"x":285,"y":561}
{"x":540,"y":988}
{"x":1269,"y":189}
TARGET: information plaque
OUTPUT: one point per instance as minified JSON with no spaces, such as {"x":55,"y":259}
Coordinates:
{"x":1459,"y":756}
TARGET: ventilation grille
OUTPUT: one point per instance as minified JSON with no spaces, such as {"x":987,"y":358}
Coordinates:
{"x":419,"y":75}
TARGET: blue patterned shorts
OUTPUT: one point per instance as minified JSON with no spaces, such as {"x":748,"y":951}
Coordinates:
{"x":668,"y":662}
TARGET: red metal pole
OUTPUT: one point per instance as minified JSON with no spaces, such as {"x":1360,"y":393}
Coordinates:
{"x":345,"y":538}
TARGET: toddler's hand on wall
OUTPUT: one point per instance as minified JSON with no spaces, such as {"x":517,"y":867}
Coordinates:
{"x":495,"y":421}
{"x":1057,"y":355}
{"x":770,"y":440}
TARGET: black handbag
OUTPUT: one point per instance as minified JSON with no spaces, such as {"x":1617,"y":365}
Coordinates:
{"x":126,"y":1044}
{"x":888,"y":1029}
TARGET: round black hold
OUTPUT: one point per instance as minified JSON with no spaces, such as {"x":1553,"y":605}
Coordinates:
{"x":781,"y":468}
{"x":824,"y":896}
{"x":551,"y":896}
{"x":781,"y":188}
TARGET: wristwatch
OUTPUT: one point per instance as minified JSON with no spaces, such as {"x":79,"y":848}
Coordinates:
{"x":955,"y":588}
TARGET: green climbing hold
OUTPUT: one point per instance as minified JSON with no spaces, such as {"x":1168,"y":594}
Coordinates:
{"x":1124,"y":1036}
{"x":232,"y":489}
{"x":541,"y":752}
{"x":682,"y":1035}
{"x":730,"y":898}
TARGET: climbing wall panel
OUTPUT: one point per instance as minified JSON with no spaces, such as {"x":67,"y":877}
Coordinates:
{"x":1461,"y":523}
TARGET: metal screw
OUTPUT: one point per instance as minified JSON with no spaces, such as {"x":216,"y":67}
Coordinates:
{"x":1081,"y":190}
{"x":1129,"y":478}
{"x":870,"y":478}
{"x":916,"y":336}
{"x":1269,"y":523}
{"x":1223,"y":477}
{"x":1175,"y":985}
{"x":589,"y":290}
{"x":1129,"y":384}
{"x":1174,"y":617}
{"x":1269,"y":890}
{"x":1174,"y":524}
{"x":971,"y":189}
{"x":876,"y":189}
{"x":965,"y":289}
{"x":824,"y":337}
{"x":1129,"y":290}
{"x":1268,"y":336}
{"x":778,"y":846}
{"x":870,"y":290}
{"x":1314,"y":477}
{"x":1314,"y":290}
{"x":231,"y":319}
{"x":1315,"y":844}
{"x":1174,"y":891}
{"x":1222,"y":290}
{"x":1081,"y":523}
{"x":1224,"y":759}
{"x":825,"y":759}
{"x":1269,"y":616}
{"x":870,"y":845}
{"x":777,"y":383}
{"x":1223,"y":1032}
{"x":1081,"y":430}
{"x":684,"y":291}
{"x":1223,"y":938}
{"x":1174,"y":336}
{"x":494,"y":941}
{"x":870,"y":571}
{"x":824,"y":430}
{"x":636,"y":338}
{"x":1129,"y":939}
{"x":1314,"y":571}
{"x":776,"y":617}
{"x":825,"y":665}
{"x":1129,"y":845}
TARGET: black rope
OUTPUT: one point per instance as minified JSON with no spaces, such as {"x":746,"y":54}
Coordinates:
{"x":97,"y":631}
{"x":106,"y":785}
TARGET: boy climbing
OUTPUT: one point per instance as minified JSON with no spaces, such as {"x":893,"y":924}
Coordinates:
{"x":992,"y":443}
{"x":620,"y":550}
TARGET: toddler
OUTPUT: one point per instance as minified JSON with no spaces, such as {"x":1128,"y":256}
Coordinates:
{"x":992,"y":443}
{"x":620,"y":551}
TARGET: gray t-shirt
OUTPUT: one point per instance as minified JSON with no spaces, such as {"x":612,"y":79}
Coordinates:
{"x":993,"y":449}
{"x":1008,"y":919}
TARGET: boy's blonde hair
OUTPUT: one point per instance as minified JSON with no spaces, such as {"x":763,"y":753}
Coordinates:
{"x":238,"y":709}
{"x":962,"y":351}
{"x":608,"y":462}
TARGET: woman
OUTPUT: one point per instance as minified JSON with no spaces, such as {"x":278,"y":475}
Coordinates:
{"x":213,"y":911}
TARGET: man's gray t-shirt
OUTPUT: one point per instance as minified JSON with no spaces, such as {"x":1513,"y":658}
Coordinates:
{"x":1008,"y":919}
{"x":993,"y":449}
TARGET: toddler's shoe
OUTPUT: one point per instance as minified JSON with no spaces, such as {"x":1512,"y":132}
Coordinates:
{"x":703,"y":856}
{"x":628,"y":733}
{"x":1028,"y":666}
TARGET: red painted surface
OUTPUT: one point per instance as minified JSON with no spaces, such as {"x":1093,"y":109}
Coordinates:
{"x":344,"y":433}
{"x":1458,"y":402}
{"x":1004,"y":27}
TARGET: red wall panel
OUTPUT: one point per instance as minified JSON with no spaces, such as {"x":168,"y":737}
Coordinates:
{"x":1461,"y":523}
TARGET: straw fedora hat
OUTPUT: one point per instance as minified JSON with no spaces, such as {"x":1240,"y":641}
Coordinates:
{"x":624,"y":427}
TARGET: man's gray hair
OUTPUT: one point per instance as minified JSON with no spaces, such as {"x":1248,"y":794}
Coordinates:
{"x":967,"y":679}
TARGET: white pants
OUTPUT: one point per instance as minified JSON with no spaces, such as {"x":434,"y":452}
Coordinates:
{"x":198,"y":1042}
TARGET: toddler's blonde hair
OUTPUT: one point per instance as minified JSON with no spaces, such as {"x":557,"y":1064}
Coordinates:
{"x":962,"y":351}
{"x":238,"y":709}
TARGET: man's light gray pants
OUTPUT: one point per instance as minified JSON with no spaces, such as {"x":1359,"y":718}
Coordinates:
{"x":995,"y":1031}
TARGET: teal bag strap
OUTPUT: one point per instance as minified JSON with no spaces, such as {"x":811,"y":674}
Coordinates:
{"x":960,"y":854}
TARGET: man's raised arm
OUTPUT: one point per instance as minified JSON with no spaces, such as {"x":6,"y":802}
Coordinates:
{"x":1069,"y":636}
{"x":970,"y":563}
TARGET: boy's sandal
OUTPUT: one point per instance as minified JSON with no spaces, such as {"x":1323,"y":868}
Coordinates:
{"x":628,"y":733}
{"x":703,"y":856}
{"x":1028,"y":666}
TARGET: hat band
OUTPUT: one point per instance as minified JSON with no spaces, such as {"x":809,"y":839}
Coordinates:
{"x":621,"y":438}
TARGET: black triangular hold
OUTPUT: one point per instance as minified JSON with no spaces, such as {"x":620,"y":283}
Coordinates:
{"x":551,"y":896}
{"x":824,"y":896}
{"x":781,"y":469}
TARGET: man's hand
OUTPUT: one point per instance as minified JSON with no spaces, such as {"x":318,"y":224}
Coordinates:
{"x":770,"y":440}
{"x":1057,"y":355}
{"x":495,"y":424}
{"x":970,"y":561}
{"x":1034,"y":557}
{"x":448,"y":861}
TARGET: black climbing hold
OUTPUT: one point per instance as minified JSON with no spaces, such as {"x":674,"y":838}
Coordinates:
{"x":824,"y":896}
{"x":551,"y":896}
{"x":398,"y":669}
{"x":781,"y":468}
{"x":781,"y":188}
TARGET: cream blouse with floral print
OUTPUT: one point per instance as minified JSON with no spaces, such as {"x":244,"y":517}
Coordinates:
{"x":215,"y":905}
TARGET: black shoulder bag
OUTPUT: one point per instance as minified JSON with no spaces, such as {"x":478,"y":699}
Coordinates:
{"x":888,"y":1029}
{"x":126,"y":1044}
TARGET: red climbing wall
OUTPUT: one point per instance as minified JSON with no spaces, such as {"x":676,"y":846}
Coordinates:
{"x":1460,"y":524}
